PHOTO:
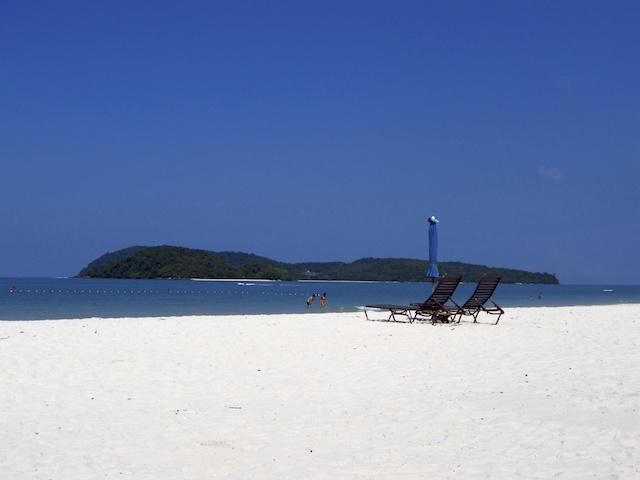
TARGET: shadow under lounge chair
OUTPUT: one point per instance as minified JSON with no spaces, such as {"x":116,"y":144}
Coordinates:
{"x":433,"y":308}
{"x":478,"y":300}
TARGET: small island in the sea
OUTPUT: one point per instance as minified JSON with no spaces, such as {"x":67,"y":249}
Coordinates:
{"x":178,"y":262}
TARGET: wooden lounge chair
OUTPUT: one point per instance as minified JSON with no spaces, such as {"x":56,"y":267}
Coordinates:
{"x":478,"y":300}
{"x":433,"y":308}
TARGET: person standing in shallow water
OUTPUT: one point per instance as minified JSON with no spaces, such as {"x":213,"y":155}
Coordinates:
{"x":310,"y":299}
{"x":323,"y":299}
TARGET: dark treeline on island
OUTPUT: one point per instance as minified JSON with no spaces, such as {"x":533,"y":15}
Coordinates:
{"x":179,"y":262}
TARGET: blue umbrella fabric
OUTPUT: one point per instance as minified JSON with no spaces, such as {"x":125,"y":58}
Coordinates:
{"x":432,"y":271}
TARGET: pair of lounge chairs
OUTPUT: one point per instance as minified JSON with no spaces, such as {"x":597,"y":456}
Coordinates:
{"x":440,"y":307}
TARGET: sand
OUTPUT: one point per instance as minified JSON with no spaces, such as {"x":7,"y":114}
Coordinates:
{"x":548,"y":393}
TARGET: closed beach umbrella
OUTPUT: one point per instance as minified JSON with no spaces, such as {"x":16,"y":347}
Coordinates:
{"x":432,"y":271}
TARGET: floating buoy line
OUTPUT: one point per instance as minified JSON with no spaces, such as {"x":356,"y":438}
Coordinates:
{"x":168,"y":291}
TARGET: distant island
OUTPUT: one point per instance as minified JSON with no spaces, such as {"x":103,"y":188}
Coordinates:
{"x":167,"y":262}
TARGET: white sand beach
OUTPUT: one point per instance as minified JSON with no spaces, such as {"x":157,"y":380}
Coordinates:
{"x":548,"y":393}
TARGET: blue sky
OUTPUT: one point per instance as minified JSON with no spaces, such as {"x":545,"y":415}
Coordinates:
{"x":322,"y":131}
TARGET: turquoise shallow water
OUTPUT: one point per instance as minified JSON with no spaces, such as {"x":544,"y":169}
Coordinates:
{"x":52,"y":298}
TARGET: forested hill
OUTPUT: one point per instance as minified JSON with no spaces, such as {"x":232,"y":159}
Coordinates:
{"x":179,"y":262}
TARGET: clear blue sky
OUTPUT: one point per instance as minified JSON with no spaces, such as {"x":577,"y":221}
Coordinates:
{"x":323,"y":131}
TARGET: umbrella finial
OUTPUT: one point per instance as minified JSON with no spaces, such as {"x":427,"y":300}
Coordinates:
{"x":433,"y":219}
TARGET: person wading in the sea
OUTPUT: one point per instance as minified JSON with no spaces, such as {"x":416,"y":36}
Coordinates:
{"x":310,"y":299}
{"x":323,"y":299}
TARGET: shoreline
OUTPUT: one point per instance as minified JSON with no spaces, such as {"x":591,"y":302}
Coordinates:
{"x":212,"y":279}
{"x":357,"y":310}
{"x":353,"y":281}
{"x":297,"y":280}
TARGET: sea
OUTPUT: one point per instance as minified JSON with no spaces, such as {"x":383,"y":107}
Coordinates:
{"x":74,"y":298}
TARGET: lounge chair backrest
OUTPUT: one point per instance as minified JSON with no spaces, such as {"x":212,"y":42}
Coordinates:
{"x":483,"y":292}
{"x":442,"y":293}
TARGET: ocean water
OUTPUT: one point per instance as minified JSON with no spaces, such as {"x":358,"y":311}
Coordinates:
{"x":57,"y":298}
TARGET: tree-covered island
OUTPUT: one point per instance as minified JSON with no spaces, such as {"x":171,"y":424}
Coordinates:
{"x":178,"y":262}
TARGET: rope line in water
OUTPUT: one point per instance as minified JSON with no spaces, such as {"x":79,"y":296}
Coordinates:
{"x":145,"y":292}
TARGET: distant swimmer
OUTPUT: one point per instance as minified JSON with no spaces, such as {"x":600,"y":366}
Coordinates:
{"x":323,"y":299}
{"x":310,"y":299}
{"x":540,"y":296}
